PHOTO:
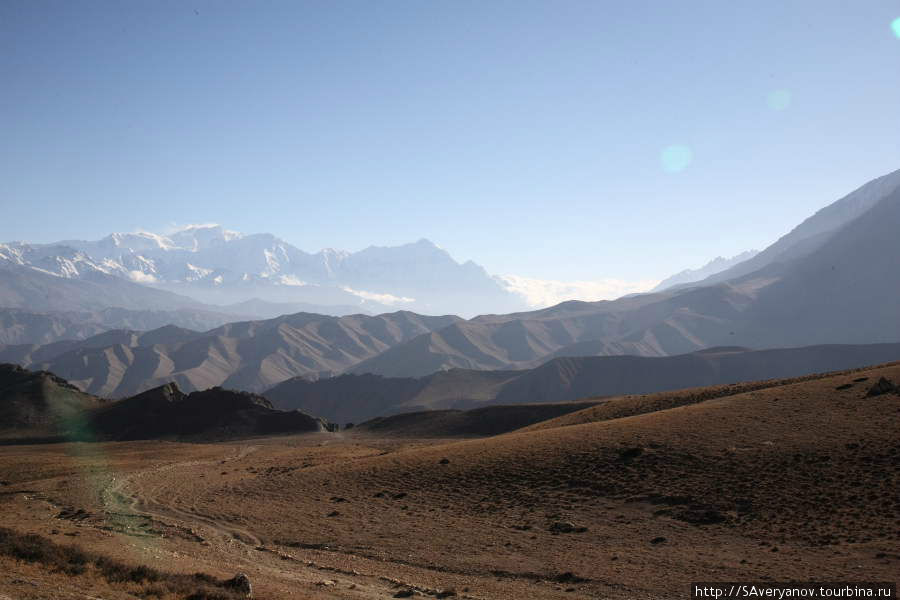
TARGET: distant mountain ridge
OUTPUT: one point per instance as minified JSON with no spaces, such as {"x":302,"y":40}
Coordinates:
{"x":22,"y":327}
{"x":832,"y":280}
{"x":248,"y":355}
{"x":214,"y":265}
{"x":37,"y":290}
{"x":717,"y":265}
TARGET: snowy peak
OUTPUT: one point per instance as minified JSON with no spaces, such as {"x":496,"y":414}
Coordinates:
{"x":141,"y":241}
{"x":200,"y":237}
{"x":220,"y":266}
{"x":58,"y":260}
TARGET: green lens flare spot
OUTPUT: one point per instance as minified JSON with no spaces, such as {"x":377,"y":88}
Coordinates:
{"x":676,"y":158}
{"x":779,"y":100}
{"x":896,"y":27}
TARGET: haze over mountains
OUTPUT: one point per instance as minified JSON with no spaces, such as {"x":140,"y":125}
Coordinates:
{"x":20,"y":326}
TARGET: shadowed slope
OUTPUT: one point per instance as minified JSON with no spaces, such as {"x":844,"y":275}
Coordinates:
{"x":40,"y":403}
{"x":211,"y":414}
{"x":489,"y":420}
{"x":359,"y":397}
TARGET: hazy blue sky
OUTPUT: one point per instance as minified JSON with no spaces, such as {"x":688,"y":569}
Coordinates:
{"x":558,"y":139}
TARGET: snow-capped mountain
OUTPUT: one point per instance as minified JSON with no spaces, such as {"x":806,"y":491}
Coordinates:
{"x":220,"y":266}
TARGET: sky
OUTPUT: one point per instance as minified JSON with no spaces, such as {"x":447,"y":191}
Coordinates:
{"x":610,"y":143}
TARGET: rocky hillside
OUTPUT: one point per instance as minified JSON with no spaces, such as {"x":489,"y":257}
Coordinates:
{"x":216,"y":413}
{"x":41,"y":404}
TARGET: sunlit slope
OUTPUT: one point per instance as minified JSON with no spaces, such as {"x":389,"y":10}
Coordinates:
{"x":250,"y":355}
{"x":800,"y":479}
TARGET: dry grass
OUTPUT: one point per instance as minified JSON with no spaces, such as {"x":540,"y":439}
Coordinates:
{"x":791,"y":481}
{"x":142,"y":580}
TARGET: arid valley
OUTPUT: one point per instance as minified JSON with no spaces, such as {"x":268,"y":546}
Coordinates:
{"x":468,"y":300}
{"x":631,"y":498}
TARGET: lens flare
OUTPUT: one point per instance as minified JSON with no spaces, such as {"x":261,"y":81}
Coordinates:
{"x":676,"y":158}
{"x":896,"y":27}
{"x":779,"y":99}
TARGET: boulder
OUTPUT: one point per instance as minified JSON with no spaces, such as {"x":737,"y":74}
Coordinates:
{"x":241,"y":583}
{"x":883,"y":386}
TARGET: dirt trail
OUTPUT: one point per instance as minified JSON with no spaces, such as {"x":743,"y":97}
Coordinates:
{"x":126,"y":503}
{"x":117,"y":497}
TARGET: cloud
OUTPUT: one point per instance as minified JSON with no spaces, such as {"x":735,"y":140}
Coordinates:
{"x":388,"y":299}
{"x":141,"y":277}
{"x":539,"y":293}
{"x":291,"y":280}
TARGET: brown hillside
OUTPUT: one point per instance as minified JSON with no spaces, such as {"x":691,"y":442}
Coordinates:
{"x":783,"y":481}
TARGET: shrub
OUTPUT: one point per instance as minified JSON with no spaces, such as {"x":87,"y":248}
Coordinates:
{"x":74,"y":561}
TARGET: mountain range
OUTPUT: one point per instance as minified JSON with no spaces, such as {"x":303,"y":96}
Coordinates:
{"x":248,"y":355}
{"x":212,"y":265}
{"x":831,"y":280}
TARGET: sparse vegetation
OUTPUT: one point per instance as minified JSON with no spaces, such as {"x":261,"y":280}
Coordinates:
{"x":75,"y":561}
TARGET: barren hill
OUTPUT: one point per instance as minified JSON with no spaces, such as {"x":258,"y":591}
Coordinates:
{"x":41,"y":406}
{"x":40,"y":403}
{"x":250,"y":355}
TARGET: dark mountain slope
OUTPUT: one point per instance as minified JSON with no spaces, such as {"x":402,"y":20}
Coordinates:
{"x":359,"y":397}
{"x":215,"y":413}
{"x":356,"y":398}
{"x":565,"y":379}
{"x":477,"y":422}
{"x":40,"y":403}
{"x":847,"y":290}
{"x":815,"y":231}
